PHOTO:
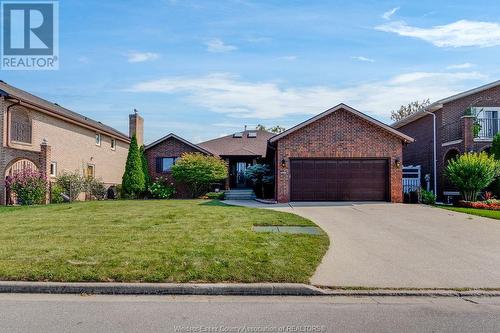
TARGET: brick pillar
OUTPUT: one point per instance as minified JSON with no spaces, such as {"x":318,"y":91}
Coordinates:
{"x":467,"y":133}
{"x":44,"y":161}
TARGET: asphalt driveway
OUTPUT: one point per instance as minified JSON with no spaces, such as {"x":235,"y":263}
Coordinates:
{"x":396,"y":245}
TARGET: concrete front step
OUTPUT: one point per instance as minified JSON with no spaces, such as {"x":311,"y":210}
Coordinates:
{"x":240,"y":195}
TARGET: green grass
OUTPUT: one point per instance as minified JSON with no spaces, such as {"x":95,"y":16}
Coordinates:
{"x":153,"y":241}
{"x":493,"y":214}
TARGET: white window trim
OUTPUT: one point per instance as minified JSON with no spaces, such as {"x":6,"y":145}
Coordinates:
{"x":479,"y":110}
{"x":100,"y":139}
{"x":53,"y":174}
{"x":113,"y":146}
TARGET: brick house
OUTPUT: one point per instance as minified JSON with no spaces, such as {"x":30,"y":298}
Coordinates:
{"x":239,"y":150}
{"x":339,"y":155}
{"x":455,"y":119}
{"x":162,"y":154}
{"x":41,"y":135}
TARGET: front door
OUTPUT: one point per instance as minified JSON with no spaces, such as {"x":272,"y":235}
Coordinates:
{"x":240,"y":174}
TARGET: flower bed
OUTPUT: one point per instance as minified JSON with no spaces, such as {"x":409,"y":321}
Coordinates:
{"x":491,"y":204}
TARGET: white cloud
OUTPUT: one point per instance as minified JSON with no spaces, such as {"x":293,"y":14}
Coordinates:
{"x":457,"y":34}
{"x":134,"y":57}
{"x":364,"y":59}
{"x":229,"y":95}
{"x":218,"y":46}
{"x":460,"y":66}
{"x":388,"y":14}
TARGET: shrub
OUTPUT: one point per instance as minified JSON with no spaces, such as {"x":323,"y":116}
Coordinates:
{"x":56,"y":194}
{"x":161,"y":189}
{"x":428,"y":198}
{"x":96,"y":188}
{"x":472,"y":172}
{"x":495,"y":151}
{"x":72,"y":183}
{"x":198,"y":171}
{"x":215,"y":195}
{"x":488,"y":195}
{"x":259,"y":175}
{"x":29,"y":186}
{"x":144,"y":164}
{"x":133,"y":183}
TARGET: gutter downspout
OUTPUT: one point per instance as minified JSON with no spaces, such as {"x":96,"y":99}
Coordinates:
{"x":434,"y":148}
{"x":7,"y":114}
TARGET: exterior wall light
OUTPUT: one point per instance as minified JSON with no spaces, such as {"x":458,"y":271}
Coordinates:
{"x":397,"y":162}
{"x":283,"y":163}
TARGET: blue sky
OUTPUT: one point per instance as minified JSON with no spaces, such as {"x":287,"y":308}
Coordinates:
{"x":202,"y":69}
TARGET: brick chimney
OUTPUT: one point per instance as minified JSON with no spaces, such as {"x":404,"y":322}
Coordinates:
{"x":136,"y":126}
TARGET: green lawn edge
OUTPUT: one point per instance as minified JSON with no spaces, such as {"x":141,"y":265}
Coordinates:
{"x":492,"y":214}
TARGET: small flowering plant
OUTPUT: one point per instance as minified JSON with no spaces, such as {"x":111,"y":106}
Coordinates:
{"x":162,"y":189}
{"x":29,"y":186}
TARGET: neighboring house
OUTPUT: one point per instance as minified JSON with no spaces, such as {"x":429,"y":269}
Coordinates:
{"x":339,"y":155}
{"x":44,"y":136}
{"x":456,"y":118}
{"x":162,"y":154}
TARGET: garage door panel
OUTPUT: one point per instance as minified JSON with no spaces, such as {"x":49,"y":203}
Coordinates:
{"x":339,"y":180}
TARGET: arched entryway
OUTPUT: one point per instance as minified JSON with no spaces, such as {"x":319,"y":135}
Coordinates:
{"x":450,"y":155}
{"x":14,"y":168}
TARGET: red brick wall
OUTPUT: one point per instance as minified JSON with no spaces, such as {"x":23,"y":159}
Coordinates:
{"x":420,"y":151}
{"x":451,"y":113}
{"x":339,"y":135}
{"x":168,"y":148}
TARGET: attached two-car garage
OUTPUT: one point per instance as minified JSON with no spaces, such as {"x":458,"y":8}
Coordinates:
{"x":339,"y":155}
{"x":339,"y":180}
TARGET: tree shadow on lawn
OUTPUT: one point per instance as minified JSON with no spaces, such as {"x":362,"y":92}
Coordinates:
{"x":216,"y":203}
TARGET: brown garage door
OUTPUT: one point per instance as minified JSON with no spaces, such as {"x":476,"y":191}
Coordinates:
{"x":339,"y":180}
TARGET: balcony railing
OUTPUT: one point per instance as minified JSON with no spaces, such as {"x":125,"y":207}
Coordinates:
{"x":487,"y":127}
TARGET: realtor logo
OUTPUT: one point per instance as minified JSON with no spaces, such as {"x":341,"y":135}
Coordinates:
{"x":30,"y":35}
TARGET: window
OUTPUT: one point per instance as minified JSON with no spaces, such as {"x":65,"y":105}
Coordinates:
{"x":252,"y":134}
{"x":164,"y":164}
{"x":238,"y":135}
{"x":487,"y":120}
{"x":113,"y":144}
{"x":97,"y":139}
{"x":20,"y":129}
{"x":90,"y":171}
{"x":53,"y":169}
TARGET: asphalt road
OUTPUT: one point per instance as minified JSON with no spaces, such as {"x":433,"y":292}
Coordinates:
{"x":65,"y":313}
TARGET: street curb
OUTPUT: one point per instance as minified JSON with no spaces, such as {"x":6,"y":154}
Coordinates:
{"x":411,"y":293}
{"x":221,"y":289}
{"x":243,"y":289}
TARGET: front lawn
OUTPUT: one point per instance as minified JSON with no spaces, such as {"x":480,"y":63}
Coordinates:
{"x":494,"y":214}
{"x":154,"y":241}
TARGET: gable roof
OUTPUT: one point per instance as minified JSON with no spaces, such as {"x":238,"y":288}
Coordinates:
{"x":345,"y":107}
{"x":29,"y":100}
{"x":239,"y":146}
{"x":173,"y":136}
{"x":439,"y":104}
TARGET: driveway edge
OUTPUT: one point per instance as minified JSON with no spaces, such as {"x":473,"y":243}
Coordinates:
{"x":221,"y":289}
